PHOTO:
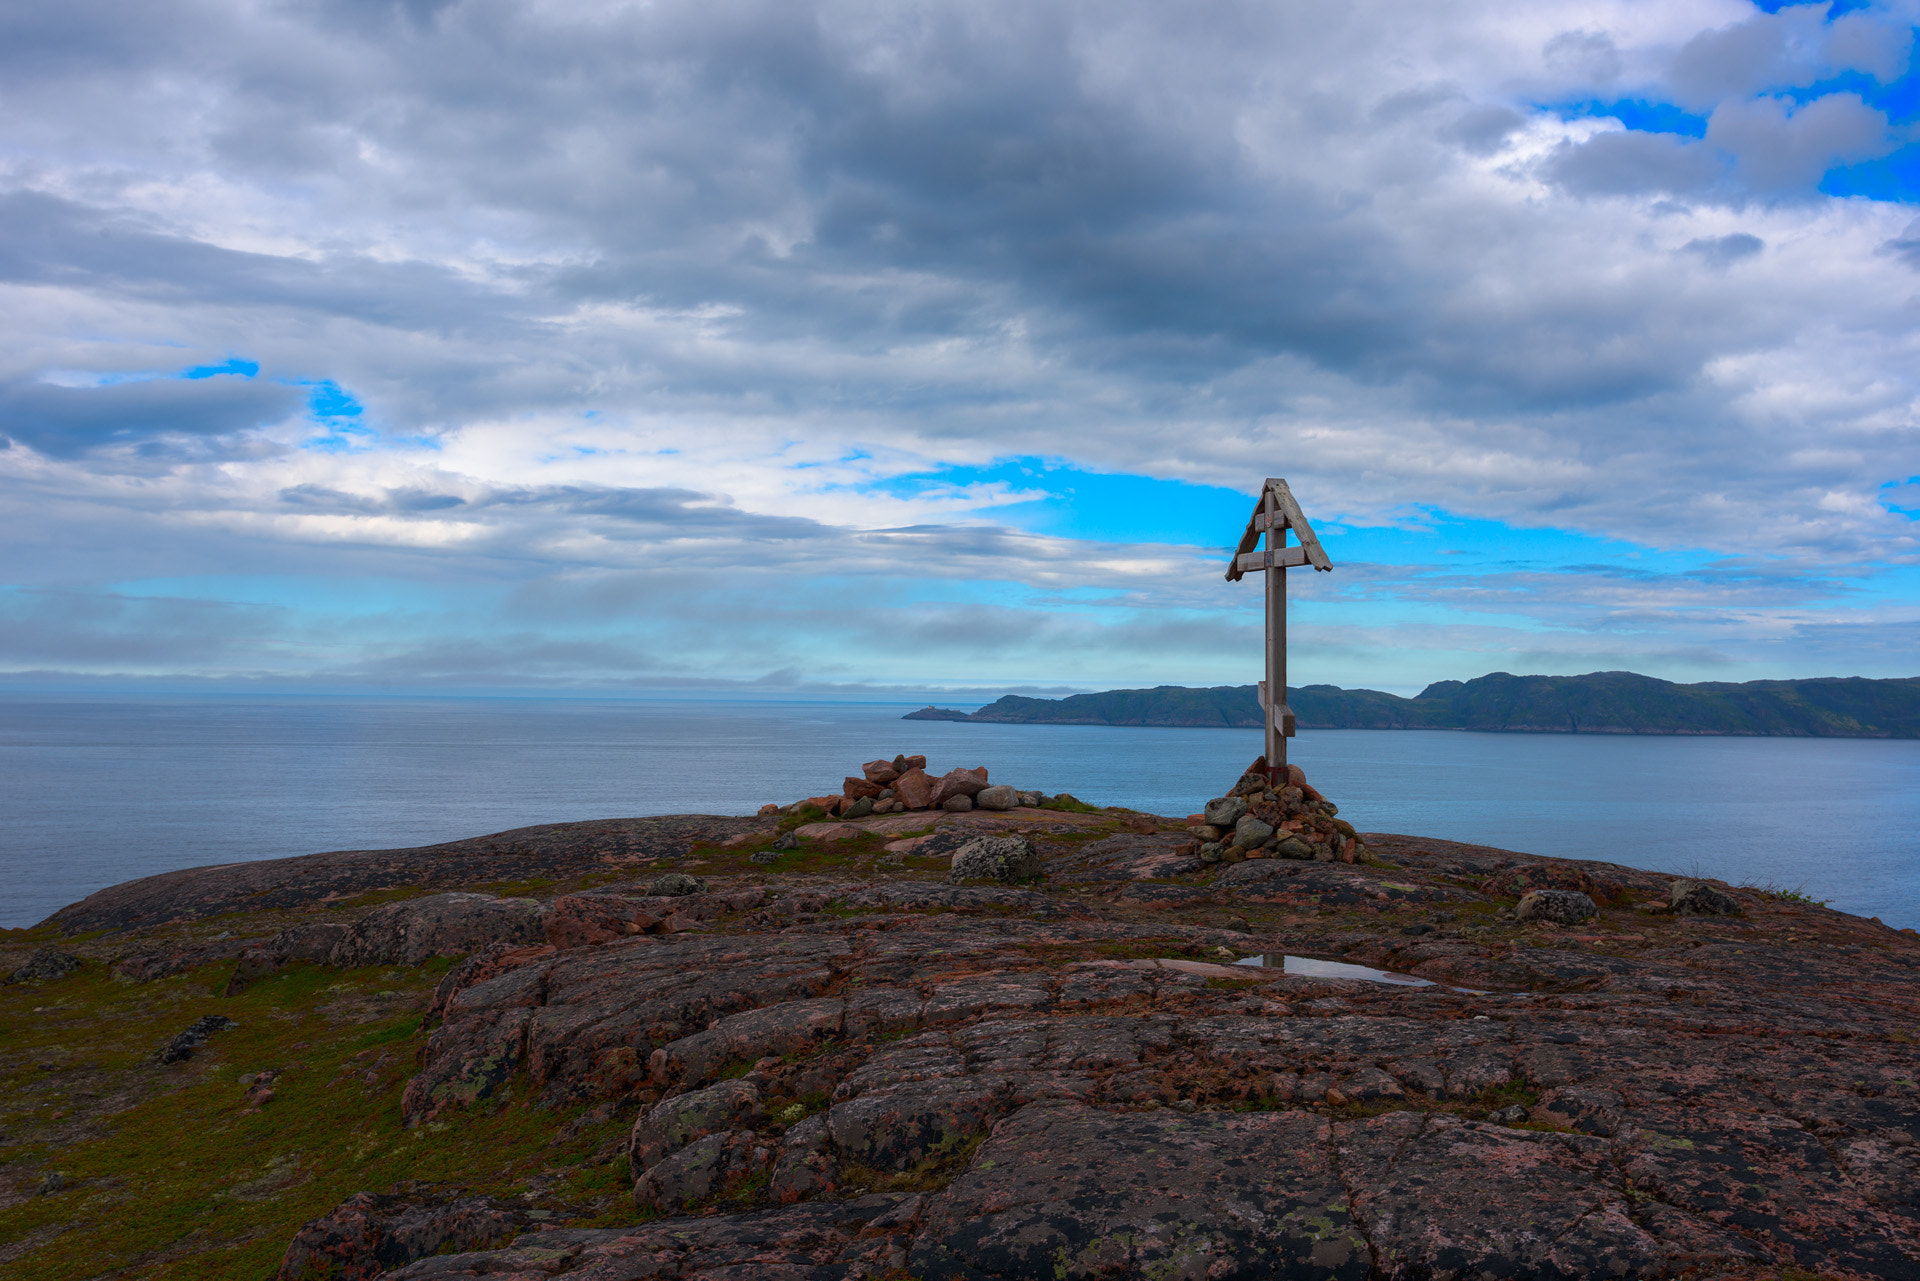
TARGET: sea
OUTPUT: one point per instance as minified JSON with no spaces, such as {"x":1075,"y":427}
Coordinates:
{"x":96,"y":791}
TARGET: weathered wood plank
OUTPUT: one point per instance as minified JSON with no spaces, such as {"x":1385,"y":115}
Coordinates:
{"x":1271,"y":559}
{"x":1297,"y":521}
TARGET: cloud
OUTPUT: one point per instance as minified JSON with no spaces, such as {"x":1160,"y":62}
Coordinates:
{"x":1779,"y":149}
{"x":1631,"y":163}
{"x":1724,"y":251}
{"x":690,"y":290}
{"x":64,"y":422}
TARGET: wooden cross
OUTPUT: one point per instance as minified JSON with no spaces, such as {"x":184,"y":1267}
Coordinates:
{"x":1274,"y":515}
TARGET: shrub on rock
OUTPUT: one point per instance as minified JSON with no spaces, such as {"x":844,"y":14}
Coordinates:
{"x":1006,"y":859}
{"x":1698,"y":898}
{"x":1562,"y":907}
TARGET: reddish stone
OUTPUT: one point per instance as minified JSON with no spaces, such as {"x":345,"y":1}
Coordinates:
{"x":831,"y":804}
{"x":855,"y":788}
{"x":880,"y":772}
{"x":960,"y":782}
{"x":916,"y":762}
{"x":915,"y":788}
{"x":577,"y":920}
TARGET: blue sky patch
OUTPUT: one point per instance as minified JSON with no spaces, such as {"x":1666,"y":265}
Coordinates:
{"x":1639,"y":115}
{"x":234,"y":366}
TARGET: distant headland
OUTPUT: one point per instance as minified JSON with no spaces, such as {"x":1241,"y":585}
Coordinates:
{"x":1597,"y":703}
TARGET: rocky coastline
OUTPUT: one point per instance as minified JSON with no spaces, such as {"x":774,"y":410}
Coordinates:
{"x":936,"y":1026}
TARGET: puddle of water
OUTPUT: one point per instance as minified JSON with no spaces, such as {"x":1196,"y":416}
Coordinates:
{"x":1308,"y":967}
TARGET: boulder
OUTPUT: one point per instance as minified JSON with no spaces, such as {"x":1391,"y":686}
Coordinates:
{"x":1562,"y":907}
{"x":957,"y":804}
{"x":45,"y":965}
{"x":1000,"y":797}
{"x":915,"y":788}
{"x":880,"y":773}
{"x":960,"y":782}
{"x":1698,"y":898}
{"x":1250,"y":833}
{"x":858,"y":809}
{"x":677,"y":884}
{"x":1225,"y":812}
{"x":855,"y":788}
{"x":1007,"y":859}
{"x":1293,"y":847}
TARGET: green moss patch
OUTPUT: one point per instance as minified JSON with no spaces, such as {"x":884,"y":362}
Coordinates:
{"x":169,"y":1172}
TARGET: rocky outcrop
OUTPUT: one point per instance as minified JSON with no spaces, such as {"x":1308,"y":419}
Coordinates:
{"x":183,"y":1045}
{"x":844,"y":1066}
{"x":45,"y":965}
{"x":551,"y":851}
{"x":404,"y":933}
{"x":1066,"y":1107}
{"x":368,"y":1235}
{"x":861,"y":1237}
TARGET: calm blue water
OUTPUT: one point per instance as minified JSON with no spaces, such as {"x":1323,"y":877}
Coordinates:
{"x":92,"y":793}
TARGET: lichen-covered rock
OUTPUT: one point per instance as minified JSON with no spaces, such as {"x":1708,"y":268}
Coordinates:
{"x":673,"y":1123}
{"x":675,"y":884}
{"x":1698,"y":898}
{"x":997,"y":797}
{"x":1007,"y":859}
{"x":368,"y":1235}
{"x":1250,"y":833}
{"x":812,"y":1241}
{"x":702,"y":1170}
{"x":1061,"y":1189}
{"x":409,"y":932}
{"x":1562,"y":907}
{"x":195,"y":1036}
{"x":44,"y":966}
{"x":1225,"y":812}
{"x":580,"y":920}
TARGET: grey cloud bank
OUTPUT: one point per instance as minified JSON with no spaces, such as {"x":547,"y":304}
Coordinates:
{"x":679,"y":290}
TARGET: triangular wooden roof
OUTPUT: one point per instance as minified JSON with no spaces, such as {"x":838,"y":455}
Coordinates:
{"x":1276,"y":512}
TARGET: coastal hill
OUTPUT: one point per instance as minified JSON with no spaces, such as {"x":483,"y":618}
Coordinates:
{"x":1597,"y":703}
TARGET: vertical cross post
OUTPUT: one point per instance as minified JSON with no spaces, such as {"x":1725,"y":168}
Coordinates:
{"x":1275,"y":514}
{"x":1276,"y":736}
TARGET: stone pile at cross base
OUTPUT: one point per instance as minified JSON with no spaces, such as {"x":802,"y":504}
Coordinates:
{"x":842,"y":1060}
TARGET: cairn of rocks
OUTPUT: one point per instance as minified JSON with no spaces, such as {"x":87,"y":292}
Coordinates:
{"x":903,"y":783}
{"x":1268,"y":817}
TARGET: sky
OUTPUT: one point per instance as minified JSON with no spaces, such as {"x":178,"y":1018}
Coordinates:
{"x":817,"y":348}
